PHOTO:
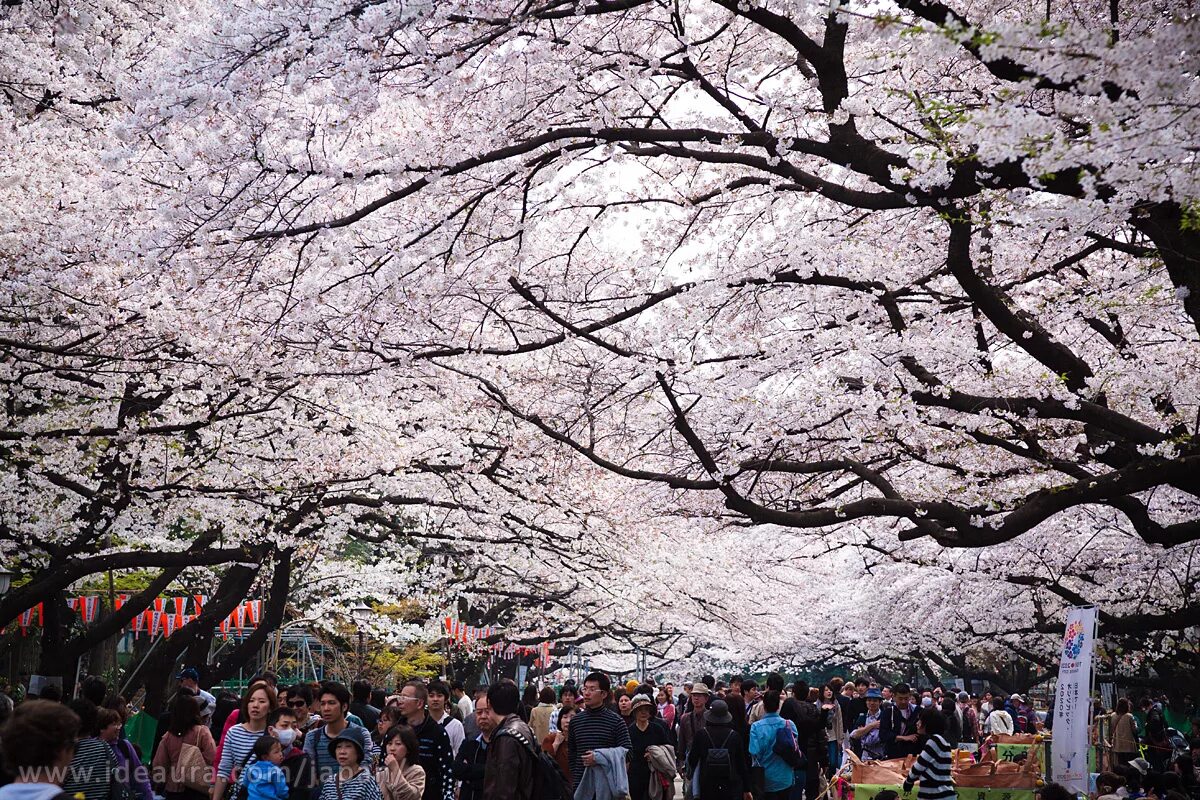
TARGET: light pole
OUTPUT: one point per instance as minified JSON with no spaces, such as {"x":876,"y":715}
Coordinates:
{"x":361,"y":613}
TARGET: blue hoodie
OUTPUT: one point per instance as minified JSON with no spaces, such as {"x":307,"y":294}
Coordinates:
{"x":264,"y":781}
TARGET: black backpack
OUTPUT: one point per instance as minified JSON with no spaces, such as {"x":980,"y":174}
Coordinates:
{"x":718,"y":762}
{"x":548,"y":781}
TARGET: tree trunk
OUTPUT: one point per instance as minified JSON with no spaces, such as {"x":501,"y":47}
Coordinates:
{"x":158,"y":672}
{"x":272,"y":617}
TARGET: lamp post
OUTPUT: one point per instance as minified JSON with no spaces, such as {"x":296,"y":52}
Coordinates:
{"x":361,"y":613}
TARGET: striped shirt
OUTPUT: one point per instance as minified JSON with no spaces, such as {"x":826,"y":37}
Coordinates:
{"x":593,"y":729}
{"x":932,"y":771}
{"x":235,"y":749}
{"x":90,"y":771}
{"x":316,"y":744}
{"x":361,"y":787}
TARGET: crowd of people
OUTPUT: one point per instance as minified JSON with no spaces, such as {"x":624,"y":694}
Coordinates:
{"x":717,"y":740}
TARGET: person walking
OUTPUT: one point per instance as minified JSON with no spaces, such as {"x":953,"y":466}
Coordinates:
{"x":263,"y":778}
{"x":644,"y":733}
{"x":435,"y":754}
{"x":238,"y":745}
{"x":400,"y":775}
{"x":471,"y":760}
{"x":38,"y":743}
{"x":439,"y":712}
{"x":129,"y":767}
{"x":91,"y":772}
{"x":717,"y":758}
{"x":333,"y":699}
{"x":174,"y":759}
{"x":778,"y":773}
{"x":690,"y":725}
{"x":539,"y":717}
{"x":352,"y":780}
{"x":596,"y":727}
{"x":509,"y":771}
{"x":666,"y":709}
{"x":555,"y":745}
{"x":931,"y":770}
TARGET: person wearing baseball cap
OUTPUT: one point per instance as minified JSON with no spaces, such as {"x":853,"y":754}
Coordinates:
{"x":864,"y":739}
{"x":189,"y":679}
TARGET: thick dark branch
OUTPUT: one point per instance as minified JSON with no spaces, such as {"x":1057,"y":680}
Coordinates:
{"x":1020,"y":327}
{"x":71,"y":570}
{"x":1004,"y":68}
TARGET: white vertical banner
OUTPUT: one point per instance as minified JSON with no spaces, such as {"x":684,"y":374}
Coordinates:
{"x":1072,"y":702}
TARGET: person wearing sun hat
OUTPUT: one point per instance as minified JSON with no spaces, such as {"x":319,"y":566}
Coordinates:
{"x":351,"y":781}
{"x":719,"y":733}
{"x":644,"y":732}
{"x":690,"y":724}
{"x":864,"y":738}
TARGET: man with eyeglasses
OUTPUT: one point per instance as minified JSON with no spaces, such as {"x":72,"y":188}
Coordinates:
{"x":597,"y":727}
{"x":435,"y":755}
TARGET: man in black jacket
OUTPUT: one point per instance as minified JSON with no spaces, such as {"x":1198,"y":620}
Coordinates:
{"x":470,"y":762}
{"x":509,"y":771}
{"x":810,"y":733}
{"x":436,"y":757}
{"x":898,"y":725}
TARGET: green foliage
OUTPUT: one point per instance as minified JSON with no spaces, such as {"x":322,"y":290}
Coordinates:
{"x":1190,"y":221}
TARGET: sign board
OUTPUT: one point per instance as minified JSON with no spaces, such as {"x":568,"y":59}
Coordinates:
{"x":1072,"y":702}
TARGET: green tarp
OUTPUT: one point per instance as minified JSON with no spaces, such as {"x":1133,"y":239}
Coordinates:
{"x":140,"y":730}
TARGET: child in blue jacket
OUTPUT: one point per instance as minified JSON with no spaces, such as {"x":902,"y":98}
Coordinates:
{"x":263,"y":778}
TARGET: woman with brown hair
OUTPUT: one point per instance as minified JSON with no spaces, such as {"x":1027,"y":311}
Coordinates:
{"x":174,"y":762}
{"x":1124,"y":744}
{"x":257,"y":704}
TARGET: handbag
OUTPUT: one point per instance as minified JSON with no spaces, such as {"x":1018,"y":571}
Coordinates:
{"x":189,"y":768}
{"x":120,"y":789}
{"x":236,"y":788}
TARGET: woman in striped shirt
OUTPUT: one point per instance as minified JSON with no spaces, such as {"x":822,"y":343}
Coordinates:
{"x":238,"y":744}
{"x":932,"y":768}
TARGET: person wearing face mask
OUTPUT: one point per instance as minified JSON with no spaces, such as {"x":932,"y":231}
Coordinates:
{"x":298,"y":768}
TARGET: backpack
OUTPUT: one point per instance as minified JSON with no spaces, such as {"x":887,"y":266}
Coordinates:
{"x":787,"y":748}
{"x":548,"y":781}
{"x":718,"y":762}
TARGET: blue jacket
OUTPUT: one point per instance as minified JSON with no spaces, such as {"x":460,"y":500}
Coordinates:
{"x":265,"y":781}
{"x":777,"y":775}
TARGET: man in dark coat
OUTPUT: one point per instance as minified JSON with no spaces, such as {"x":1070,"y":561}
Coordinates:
{"x":509,"y":771}
{"x":719,"y":733}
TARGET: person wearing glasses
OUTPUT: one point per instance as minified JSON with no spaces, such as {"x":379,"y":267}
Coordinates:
{"x":435,"y":753}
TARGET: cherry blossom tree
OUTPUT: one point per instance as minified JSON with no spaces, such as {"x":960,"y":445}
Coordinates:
{"x":899,"y":300}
